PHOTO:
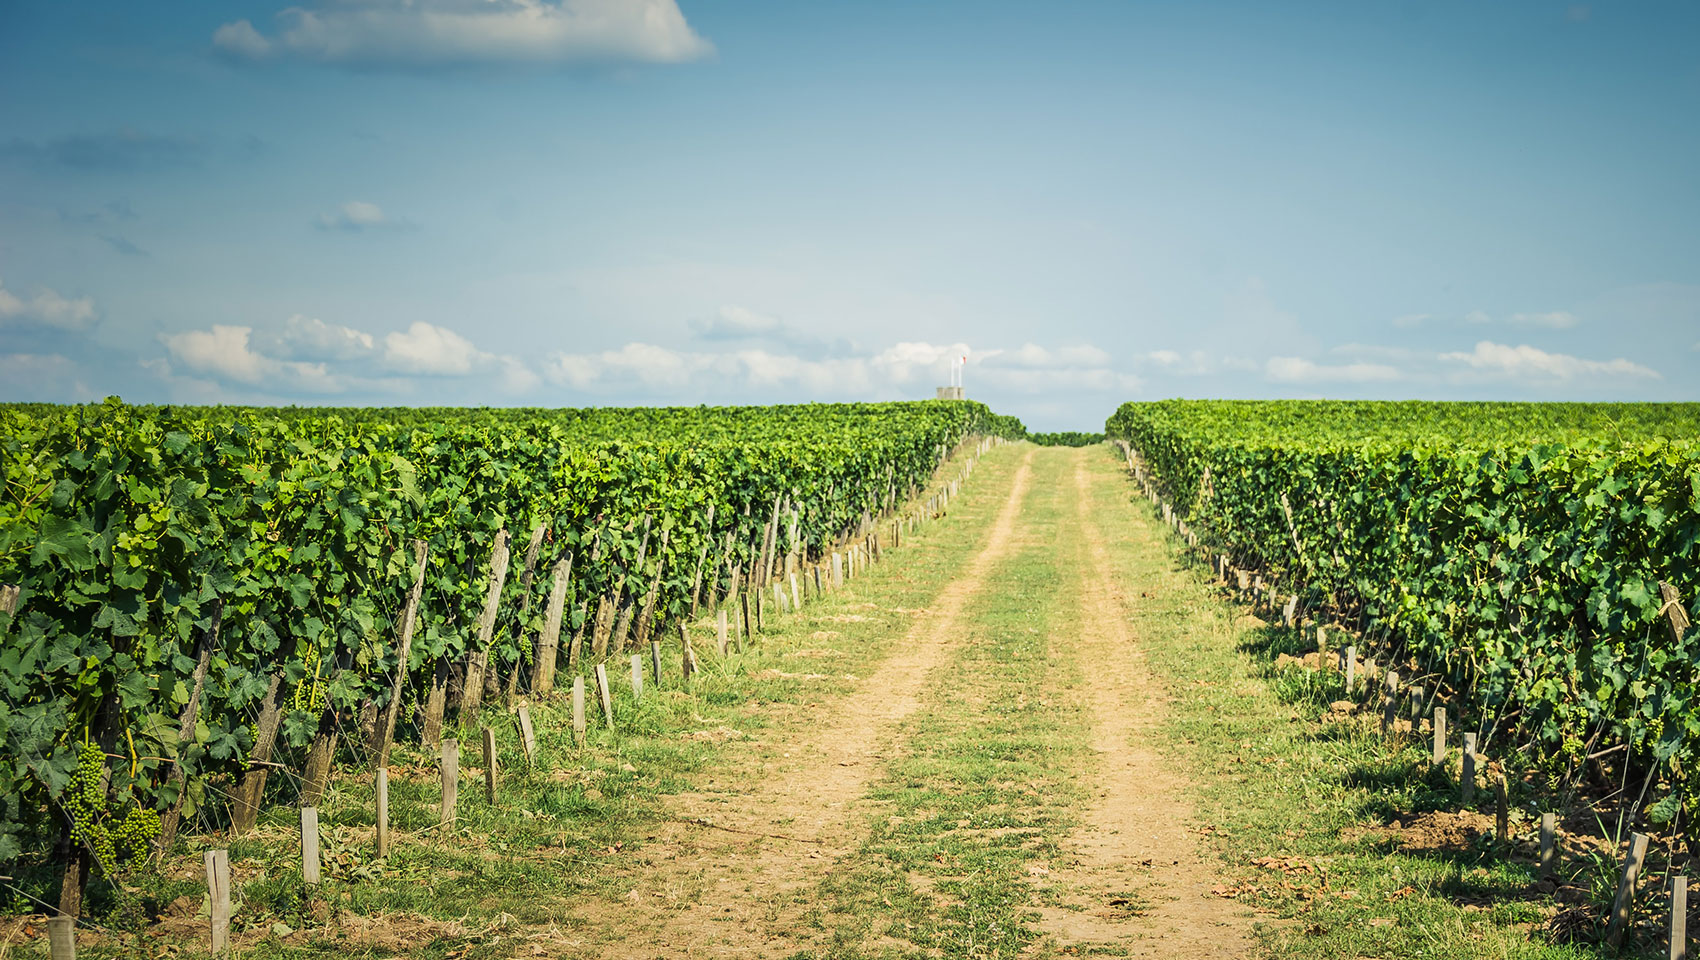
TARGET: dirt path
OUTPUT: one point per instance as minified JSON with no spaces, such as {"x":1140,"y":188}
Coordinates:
{"x":714,"y":892}
{"x":1141,"y":883}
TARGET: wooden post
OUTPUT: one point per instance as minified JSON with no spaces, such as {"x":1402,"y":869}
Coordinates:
{"x":720,"y":631}
{"x":62,"y":938}
{"x":218,"y":898}
{"x":602,"y":626}
{"x":744,"y":598}
{"x":623,"y":624}
{"x":1416,"y":694}
{"x":702,"y":555}
{"x":309,"y":845}
{"x":646,"y":616}
{"x":404,"y":650}
{"x":1390,"y":701}
{"x":1623,"y":905}
{"x":383,"y":791}
{"x":796,"y":602}
{"x":733,"y":569}
{"x":478,"y":661}
{"x":527,"y":734}
{"x":543,"y":678}
{"x":689,"y":656}
{"x":578,"y":711}
{"x":316,"y":778}
{"x":1549,"y":844}
{"x":527,"y":572}
{"x":637,"y":676}
{"x":770,"y":533}
{"x":249,"y":792}
{"x":575,"y":643}
{"x":489,"y":765}
{"x":185,"y":726}
{"x":1676,"y":618}
{"x":655,"y":661}
{"x":1501,"y":803}
{"x":450,"y":764}
{"x":1351,"y":670}
{"x":604,"y":695}
{"x":622,"y":628}
{"x":837,"y":570}
{"x":1467,"y":777}
{"x":1439,"y":735}
{"x":1679,"y":918}
{"x":1290,"y":611}
{"x":436,"y":702}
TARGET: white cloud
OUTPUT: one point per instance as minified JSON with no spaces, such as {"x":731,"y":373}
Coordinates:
{"x":514,"y":376}
{"x":432,"y":350}
{"x":1300,"y":370}
{"x":1557,"y":320}
{"x":1410,"y":320}
{"x":47,"y":308}
{"x":1524,"y":362}
{"x":242,"y":40}
{"x":905,"y":362}
{"x":309,"y":355}
{"x":412,"y":33}
{"x":1034,"y":357}
{"x":357,"y":215}
{"x":909,"y":368}
{"x":309,"y":338}
{"x":688,"y":372}
{"x":1195,"y":363}
{"x":224,"y":352}
{"x":1477,"y":317}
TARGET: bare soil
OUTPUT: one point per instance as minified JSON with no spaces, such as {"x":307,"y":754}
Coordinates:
{"x":725,"y":880}
{"x":1139,"y":883}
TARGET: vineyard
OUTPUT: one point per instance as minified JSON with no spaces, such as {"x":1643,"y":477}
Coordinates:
{"x":294,"y":682}
{"x":196,"y":600}
{"x":1535,"y":564}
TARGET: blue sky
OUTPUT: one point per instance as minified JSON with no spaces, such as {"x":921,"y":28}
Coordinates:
{"x":572,"y":202}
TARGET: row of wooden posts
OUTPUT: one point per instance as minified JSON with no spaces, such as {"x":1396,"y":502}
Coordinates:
{"x":788,"y":594}
{"x":1248,"y":585}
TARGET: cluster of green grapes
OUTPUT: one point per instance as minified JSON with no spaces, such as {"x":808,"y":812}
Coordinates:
{"x":1654,"y":729}
{"x":85,"y":801}
{"x":309,"y":696}
{"x":135,"y":834}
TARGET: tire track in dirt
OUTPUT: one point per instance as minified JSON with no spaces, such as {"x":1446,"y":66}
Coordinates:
{"x":1134,"y":844}
{"x":727,"y":894}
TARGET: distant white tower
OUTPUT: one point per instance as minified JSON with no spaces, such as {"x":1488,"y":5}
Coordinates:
{"x":955,"y":391}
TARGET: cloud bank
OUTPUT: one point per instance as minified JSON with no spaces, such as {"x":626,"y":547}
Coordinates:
{"x":47,"y":309}
{"x":421,"y":33}
{"x":1524,"y":362}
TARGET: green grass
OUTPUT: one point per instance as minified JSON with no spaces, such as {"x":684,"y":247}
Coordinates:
{"x":986,"y":780}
